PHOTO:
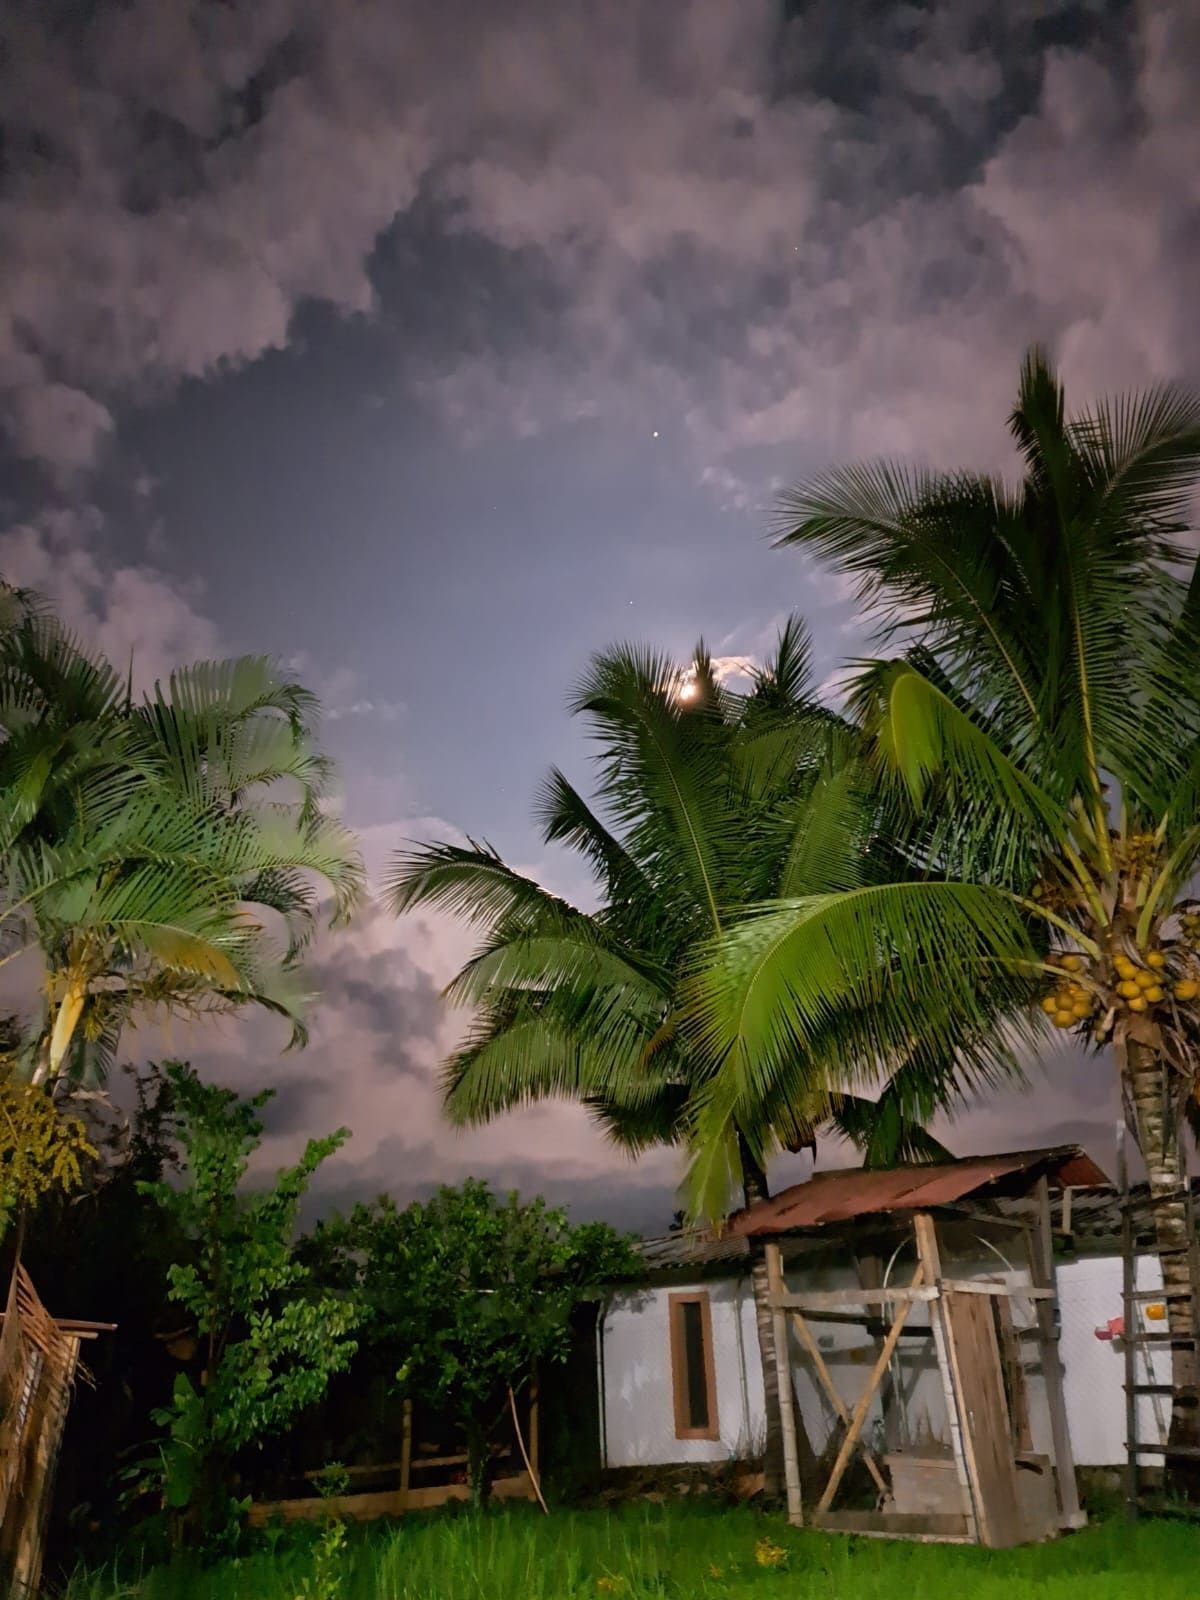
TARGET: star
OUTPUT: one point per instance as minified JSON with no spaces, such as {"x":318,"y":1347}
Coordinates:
{"x":656,"y":433}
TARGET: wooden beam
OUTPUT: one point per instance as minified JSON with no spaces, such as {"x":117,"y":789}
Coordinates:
{"x":776,"y":1287}
{"x":838,"y":1299}
{"x":934,"y":1528}
{"x":998,"y":1291}
{"x":925,"y":1233}
{"x":864,"y":1401}
{"x":1042,"y":1268}
{"x":817,"y":1300}
{"x":1010,"y":1354}
{"x":835,"y":1399}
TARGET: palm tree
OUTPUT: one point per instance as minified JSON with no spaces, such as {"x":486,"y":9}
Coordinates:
{"x":711,"y":802}
{"x":160,"y":853}
{"x":1043,"y":719}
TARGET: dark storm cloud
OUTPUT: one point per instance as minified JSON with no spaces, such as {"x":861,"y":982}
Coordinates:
{"x":384,"y":992}
{"x":771,"y":222}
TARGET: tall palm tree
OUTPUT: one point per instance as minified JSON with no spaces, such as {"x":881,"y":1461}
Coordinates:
{"x":710,"y":801}
{"x":1043,"y":721}
{"x":167,"y":852}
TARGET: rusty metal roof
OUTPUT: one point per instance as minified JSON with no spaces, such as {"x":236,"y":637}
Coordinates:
{"x":858,"y":1192}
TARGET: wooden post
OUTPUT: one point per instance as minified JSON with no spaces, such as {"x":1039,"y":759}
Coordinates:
{"x":860,"y":1410}
{"x":406,"y":1454}
{"x":534,"y":1423}
{"x":1010,"y":1354}
{"x":783,"y":1378}
{"x":930,"y":1258}
{"x":1042,"y":1271}
{"x":835,"y":1399}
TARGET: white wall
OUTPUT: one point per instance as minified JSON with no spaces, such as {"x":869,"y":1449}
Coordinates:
{"x":638,"y":1404}
{"x":1089,"y":1294}
{"x":639,"y":1415}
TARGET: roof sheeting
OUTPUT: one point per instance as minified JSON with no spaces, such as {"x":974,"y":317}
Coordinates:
{"x":858,"y":1192}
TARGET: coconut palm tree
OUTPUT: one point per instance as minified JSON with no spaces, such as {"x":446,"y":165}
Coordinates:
{"x":160,"y":853}
{"x":1041,"y":713}
{"x":710,"y":801}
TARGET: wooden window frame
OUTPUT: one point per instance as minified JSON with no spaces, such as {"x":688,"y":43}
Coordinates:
{"x":679,"y":1374}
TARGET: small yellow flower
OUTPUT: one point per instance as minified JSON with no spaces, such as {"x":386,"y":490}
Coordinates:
{"x":770,"y":1555}
{"x":716,"y":1572}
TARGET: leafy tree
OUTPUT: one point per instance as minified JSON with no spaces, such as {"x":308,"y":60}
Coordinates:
{"x":710,"y":802}
{"x":1044,"y":723}
{"x":465,"y":1292}
{"x":165,"y":852}
{"x":267,"y":1338}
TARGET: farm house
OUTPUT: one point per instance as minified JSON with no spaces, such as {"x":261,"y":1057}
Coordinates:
{"x":678,"y":1357}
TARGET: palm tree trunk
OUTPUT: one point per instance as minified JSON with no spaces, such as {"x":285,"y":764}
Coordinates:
{"x":1157,"y":1131}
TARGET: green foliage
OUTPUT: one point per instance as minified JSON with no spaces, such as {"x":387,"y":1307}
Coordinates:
{"x":44,"y":1148}
{"x":464,"y":1292}
{"x":167,"y":852}
{"x":709,"y":803}
{"x":268,"y":1339}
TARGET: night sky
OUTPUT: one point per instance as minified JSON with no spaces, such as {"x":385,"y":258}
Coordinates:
{"x":432,"y":347}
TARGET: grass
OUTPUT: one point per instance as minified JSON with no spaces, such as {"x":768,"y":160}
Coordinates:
{"x":675,"y":1552}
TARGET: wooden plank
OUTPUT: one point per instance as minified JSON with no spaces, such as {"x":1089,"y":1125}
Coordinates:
{"x":385,"y":1503}
{"x":776,"y":1286}
{"x":933,"y":1528}
{"x":835,"y":1399}
{"x":998,"y":1291}
{"x":864,"y":1401}
{"x":837,"y":1299}
{"x":1041,"y":1263}
{"x":925,"y":1233}
{"x":979,"y":1382}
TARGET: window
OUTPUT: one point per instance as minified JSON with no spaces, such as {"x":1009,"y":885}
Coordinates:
{"x":693,"y":1378}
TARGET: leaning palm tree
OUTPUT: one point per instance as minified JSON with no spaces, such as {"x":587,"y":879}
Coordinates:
{"x":710,"y":802}
{"x":1042,"y":718}
{"x":161,"y":853}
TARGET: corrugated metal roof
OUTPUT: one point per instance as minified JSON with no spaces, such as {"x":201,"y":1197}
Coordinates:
{"x":688,"y":1247}
{"x":841,"y":1196}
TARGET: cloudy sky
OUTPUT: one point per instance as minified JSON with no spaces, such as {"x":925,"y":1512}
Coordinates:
{"x":432,"y":346}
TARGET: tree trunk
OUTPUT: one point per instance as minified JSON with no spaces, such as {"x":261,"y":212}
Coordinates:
{"x":1157,"y":1129}
{"x":479,"y":1463}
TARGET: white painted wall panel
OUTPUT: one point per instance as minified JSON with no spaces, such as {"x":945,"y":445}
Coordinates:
{"x":639,"y":1418}
{"x":1089,"y":1292}
{"x":639,"y":1413}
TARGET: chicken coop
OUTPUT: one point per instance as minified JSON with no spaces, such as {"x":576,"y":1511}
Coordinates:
{"x":914,"y":1312}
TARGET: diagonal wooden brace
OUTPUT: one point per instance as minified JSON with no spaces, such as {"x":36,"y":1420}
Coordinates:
{"x":860,"y":1411}
{"x":805,"y":1335}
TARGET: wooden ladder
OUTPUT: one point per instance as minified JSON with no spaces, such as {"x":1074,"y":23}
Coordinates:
{"x":1137,"y":1220}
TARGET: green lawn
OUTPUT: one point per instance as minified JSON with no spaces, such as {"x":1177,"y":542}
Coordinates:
{"x":681,"y":1552}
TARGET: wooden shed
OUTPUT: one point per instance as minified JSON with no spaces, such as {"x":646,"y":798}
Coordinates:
{"x":945,"y":1408}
